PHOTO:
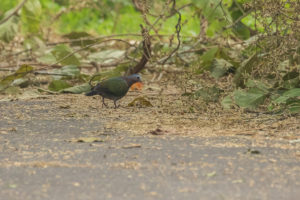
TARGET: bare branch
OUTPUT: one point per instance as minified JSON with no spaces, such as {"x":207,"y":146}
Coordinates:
{"x":178,"y":29}
{"x":146,"y":52}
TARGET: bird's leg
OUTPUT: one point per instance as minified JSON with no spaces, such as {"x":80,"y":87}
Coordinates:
{"x":103,"y":103}
{"x":115,"y":102}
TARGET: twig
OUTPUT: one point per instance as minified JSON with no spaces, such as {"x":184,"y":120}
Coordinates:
{"x":86,"y":47}
{"x":37,"y":72}
{"x":178,"y":29}
{"x":14,"y":12}
{"x":97,"y":38}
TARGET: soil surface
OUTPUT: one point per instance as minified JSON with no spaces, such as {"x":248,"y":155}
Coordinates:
{"x":68,"y":147}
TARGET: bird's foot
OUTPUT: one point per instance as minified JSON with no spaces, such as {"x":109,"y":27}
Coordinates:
{"x":104,"y":104}
{"x":115,"y":103}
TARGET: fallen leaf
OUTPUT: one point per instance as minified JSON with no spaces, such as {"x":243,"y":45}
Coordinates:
{"x":140,"y":102}
{"x":86,"y":139}
{"x":157,"y":131}
{"x":131,"y":146}
{"x":211,"y":174}
{"x":252,"y":151}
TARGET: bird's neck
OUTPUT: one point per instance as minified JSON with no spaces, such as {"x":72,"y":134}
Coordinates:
{"x":129,"y":81}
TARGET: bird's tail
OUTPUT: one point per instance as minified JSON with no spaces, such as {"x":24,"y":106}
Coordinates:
{"x":91,"y":93}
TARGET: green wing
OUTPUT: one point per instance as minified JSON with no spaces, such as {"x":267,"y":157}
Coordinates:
{"x":114,"y":87}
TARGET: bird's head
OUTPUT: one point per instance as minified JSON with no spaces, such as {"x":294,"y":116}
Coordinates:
{"x":135,"y":78}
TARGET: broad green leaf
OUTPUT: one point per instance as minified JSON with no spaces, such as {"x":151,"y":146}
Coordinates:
{"x":257,"y":84}
{"x":79,"y":35}
{"x":78,"y":89}
{"x":47,"y":58}
{"x":9,"y":28}
{"x":210,"y":94}
{"x":227,"y":102}
{"x":294,"y":107}
{"x":21,"y":72}
{"x":21,"y":82}
{"x":295,"y":92}
{"x":208,"y":57}
{"x":220,"y":67}
{"x":249,"y":99}
{"x":57,"y":85}
{"x":31,"y":16}
{"x":70,"y":70}
{"x":241,"y":31}
{"x":107,"y":56}
{"x":63,"y":55}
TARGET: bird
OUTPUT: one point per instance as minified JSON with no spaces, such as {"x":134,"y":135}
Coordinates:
{"x":114,"y":88}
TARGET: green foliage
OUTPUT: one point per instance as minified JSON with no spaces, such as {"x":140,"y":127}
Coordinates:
{"x":71,"y":70}
{"x":9,"y":29}
{"x":21,"y":72}
{"x":63,"y":55}
{"x":249,"y":99}
{"x":223,"y":37}
{"x":57,"y":85}
{"x":220,"y":67}
{"x":78,"y":89}
{"x":210,"y":94}
{"x":31,"y":16}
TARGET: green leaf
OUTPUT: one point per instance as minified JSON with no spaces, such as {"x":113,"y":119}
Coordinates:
{"x":257,"y":84}
{"x":57,"y":85}
{"x":63,"y":55}
{"x":78,"y":89}
{"x":208,"y":57}
{"x":21,"y":82}
{"x":294,"y":107}
{"x":295,"y":92}
{"x":249,"y":99}
{"x":107,"y":56}
{"x":9,"y":29}
{"x":21,"y":72}
{"x":227,"y":102}
{"x":31,"y":16}
{"x":79,"y":35}
{"x":210,"y":94}
{"x":70,"y":70}
{"x":220,"y":67}
{"x":47,"y":58}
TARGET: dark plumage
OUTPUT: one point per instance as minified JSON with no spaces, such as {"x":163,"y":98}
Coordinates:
{"x":114,"y":88}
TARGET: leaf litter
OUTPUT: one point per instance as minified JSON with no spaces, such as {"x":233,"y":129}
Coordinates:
{"x":170,"y":114}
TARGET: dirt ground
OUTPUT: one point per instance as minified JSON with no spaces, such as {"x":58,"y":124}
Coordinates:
{"x":67,"y":146}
